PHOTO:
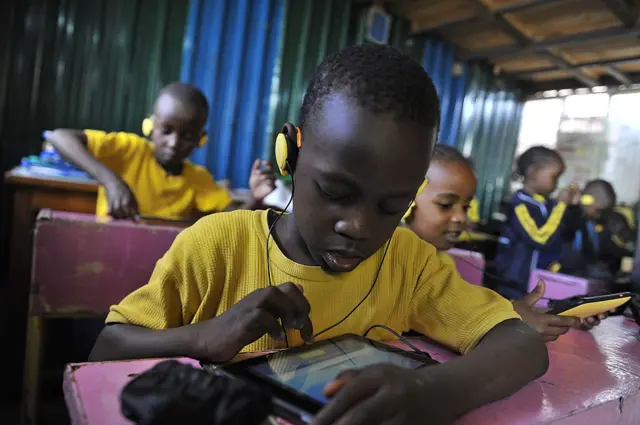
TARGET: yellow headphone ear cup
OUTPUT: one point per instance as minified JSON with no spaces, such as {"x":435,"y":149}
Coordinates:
{"x":203,"y":141}
{"x":147,"y":126}
{"x":413,"y":203}
{"x":587,"y":200}
{"x":409,"y":211}
{"x":282,"y":152}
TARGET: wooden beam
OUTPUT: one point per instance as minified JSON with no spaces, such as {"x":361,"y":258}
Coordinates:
{"x":618,"y":75}
{"x":594,"y":64}
{"x":523,"y":41}
{"x":564,"y":41}
{"x":623,"y":11}
{"x":487,"y":15}
{"x":576,"y":73}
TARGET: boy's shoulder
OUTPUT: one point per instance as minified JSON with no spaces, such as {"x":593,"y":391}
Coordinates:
{"x":116,"y":136}
{"x":406,"y":243}
{"x":226,"y":227}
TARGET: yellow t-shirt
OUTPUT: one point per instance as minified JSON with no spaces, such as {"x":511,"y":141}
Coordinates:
{"x":158,"y":193}
{"x":221,"y":259}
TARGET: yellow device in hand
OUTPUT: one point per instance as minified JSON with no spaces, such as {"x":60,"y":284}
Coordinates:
{"x":587,"y":306}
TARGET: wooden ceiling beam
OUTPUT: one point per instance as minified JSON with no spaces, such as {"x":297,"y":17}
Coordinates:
{"x":594,"y":64}
{"x":618,"y":75}
{"x":556,"y":42}
{"x":487,"y":15}
{"x":623,"y":11}
{"x":523,"y":41}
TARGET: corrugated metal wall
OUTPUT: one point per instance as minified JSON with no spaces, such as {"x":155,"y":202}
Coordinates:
{"x":489,"y":133}
{"x":230,"y":50}
{"x":76,"y":63}
{"x":450,"y":78}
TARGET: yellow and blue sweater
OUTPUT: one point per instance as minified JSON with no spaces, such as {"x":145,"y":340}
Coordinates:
{"x":533,"y":238}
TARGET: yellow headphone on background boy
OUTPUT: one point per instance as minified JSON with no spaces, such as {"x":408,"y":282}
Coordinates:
{"x":413,"y":203}
{"x":287,"y":151}
{"x":587,"y":200}
{"x":147,"y":129}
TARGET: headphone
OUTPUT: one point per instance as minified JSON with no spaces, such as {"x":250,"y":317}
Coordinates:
{"x":587,"y":200}
{"x":287,"y":151}
{"x":413,"y":203}
{"x":147,"y":128}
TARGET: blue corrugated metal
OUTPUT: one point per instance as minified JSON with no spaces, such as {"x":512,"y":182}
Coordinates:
{"x":450,"y":79}
{"x":230,"y":50}
{"x":489,"y":133}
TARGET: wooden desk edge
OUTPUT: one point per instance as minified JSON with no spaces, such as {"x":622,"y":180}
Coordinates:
{"x":17,"y":179}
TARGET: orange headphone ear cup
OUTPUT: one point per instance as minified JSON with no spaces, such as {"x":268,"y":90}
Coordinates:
{"x":203,"y":140}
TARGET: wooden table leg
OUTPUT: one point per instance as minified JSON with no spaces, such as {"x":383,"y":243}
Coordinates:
{"x":16,"y":309}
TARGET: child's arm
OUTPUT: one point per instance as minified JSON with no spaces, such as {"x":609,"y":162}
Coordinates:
{"x":218,"y":339}
{"x":157,"y":320}
{"x":508,"y":357}
{"x":72,"y":146}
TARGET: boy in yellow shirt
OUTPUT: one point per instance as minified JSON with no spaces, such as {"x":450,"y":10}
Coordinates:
{"x":440,"y":217}
{"x":247,"y":281}
{"x":156,"y":179}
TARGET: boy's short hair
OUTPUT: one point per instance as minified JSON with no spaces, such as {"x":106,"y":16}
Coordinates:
{"x":602,"y":190}
{"x":537,"y":156}
{"x":379,"y":78}
{"x":187,"y":94}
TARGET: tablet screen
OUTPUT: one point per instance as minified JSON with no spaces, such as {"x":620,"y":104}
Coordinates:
{"x":308,"y":371}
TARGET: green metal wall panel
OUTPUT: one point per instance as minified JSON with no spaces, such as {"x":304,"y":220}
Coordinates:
{"x":77,"y":63}
{"x":491,"y":118}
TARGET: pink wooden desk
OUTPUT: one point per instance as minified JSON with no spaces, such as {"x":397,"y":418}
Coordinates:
{"x":593,"y":378}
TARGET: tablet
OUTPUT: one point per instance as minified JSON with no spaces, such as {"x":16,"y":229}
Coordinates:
{"x":296,"y":377}
{"x":586,"y":306}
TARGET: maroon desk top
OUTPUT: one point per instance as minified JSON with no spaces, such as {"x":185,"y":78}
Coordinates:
{"x":593,"y":378}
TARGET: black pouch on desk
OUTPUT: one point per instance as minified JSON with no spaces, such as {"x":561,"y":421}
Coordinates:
{"x":175,"y":393}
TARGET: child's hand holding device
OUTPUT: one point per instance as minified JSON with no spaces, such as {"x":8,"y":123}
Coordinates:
{"x":549,"y":326}
{"x":221,"y":338}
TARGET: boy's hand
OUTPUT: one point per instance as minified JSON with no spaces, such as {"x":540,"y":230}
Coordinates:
{"x":221,"y":338}
{"x":262,"y":180}
{"x":549,"y":326}
{"x":122,"y":203}
{"x":385,"y":394}
{"x":570,"y":195}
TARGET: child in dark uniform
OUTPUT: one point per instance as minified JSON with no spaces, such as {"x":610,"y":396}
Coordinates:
{"x":537,"y":226}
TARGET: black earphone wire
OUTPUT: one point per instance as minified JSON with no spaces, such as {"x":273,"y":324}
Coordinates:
{"x":273,"y":225}
{"x":363,"y":299}
{"x":401,"y":338}
{"x":269,"y":235}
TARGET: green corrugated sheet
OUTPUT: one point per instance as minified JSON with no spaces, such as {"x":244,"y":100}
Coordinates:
{"x":80,"y":64}
{"x":313,"y":30}
{"x":489,"y":132}
{"x":77,"y":63}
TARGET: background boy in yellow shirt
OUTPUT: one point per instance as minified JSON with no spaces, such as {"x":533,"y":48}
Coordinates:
{"x":246,"y":281}
{"x":156,"y":179}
